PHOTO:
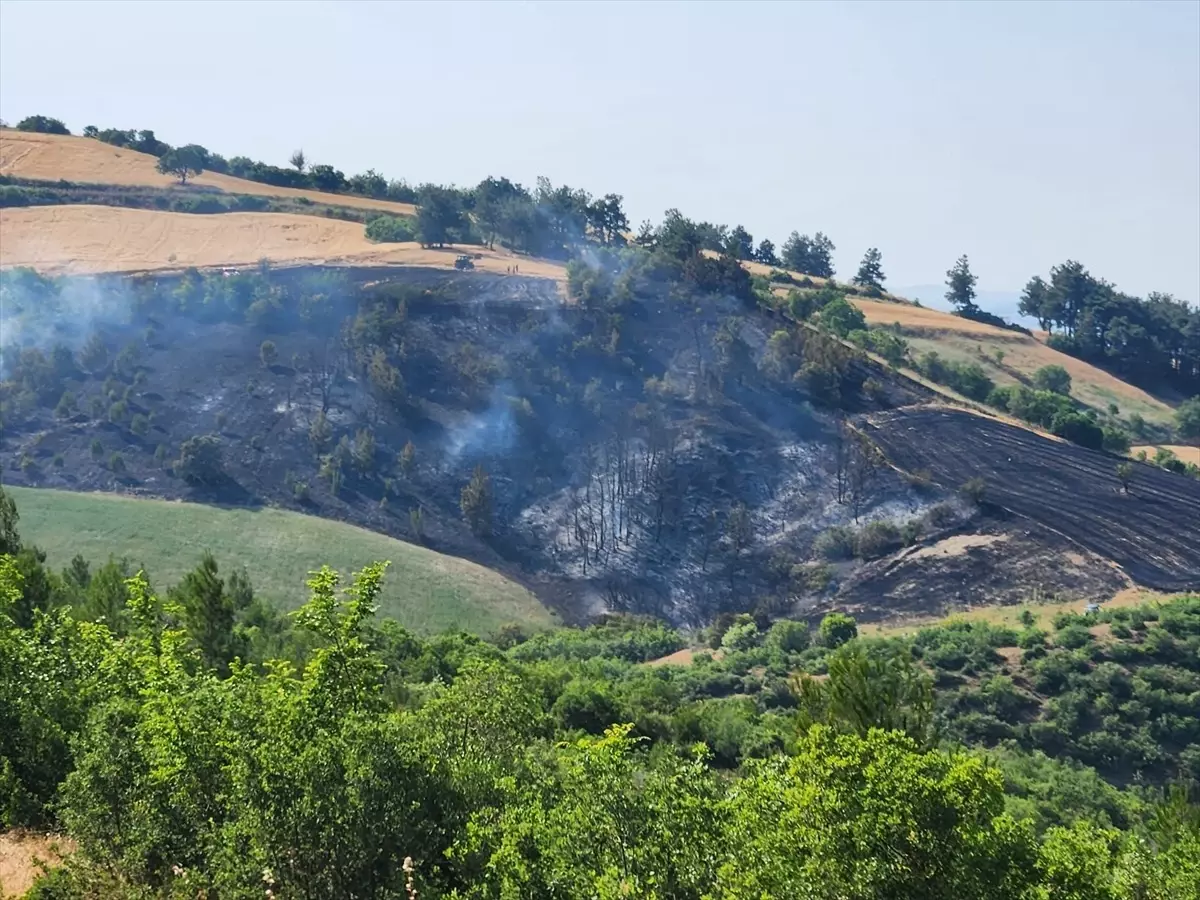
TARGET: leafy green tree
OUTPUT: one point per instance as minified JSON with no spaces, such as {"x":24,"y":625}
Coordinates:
{"x":740,"y":244}
{"x":960,"y":286}
{"x":182,"y":162}
{"x":327,"y":178}
{"x":812,"y":256}
{"x":1052,"y":378}
{"x":1187,"y":418}
{"x":208,"y":613}
{"x":268,"y":353}
{"x":604,"y":822}
{"x":765,"y":253}
{"x":865,"y":690}
{"x":842,"y":317}
{"x":200,"y":460}
{"x":43,"y":124}
{"x":871,"y":816}
{"x":1036,"y":302}
{"x":440,"y":216}
{"x":298,"y":160}
{"x":836,"y":629}
{"x":1125,"y":475}
{"x":870,"y":271}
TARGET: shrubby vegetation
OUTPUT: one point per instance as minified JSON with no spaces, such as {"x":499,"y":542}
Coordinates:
{"x":197,"y":742}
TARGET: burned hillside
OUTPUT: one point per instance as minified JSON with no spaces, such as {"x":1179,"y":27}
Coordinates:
{"x":647,"y":448}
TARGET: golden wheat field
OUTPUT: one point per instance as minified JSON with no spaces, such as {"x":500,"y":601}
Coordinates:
{"x":83,"y":239}
{"x":51,"y":157}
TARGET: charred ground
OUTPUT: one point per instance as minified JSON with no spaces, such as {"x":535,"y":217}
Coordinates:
{"x":666,"y":452}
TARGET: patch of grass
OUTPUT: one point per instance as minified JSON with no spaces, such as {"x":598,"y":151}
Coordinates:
{"x":1043,"y":614}
{"x":425,"y":591}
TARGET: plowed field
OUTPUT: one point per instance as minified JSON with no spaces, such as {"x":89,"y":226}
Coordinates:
{"x":1152,"y":532}
{"x":51,"y":157}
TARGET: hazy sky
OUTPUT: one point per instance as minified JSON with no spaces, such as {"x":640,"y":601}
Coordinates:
{"x":1021,"y":134}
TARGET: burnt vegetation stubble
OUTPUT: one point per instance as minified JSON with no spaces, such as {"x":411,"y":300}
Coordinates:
{"x":652,"y":455}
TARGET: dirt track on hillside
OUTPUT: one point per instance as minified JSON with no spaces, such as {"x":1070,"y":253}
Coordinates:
{"x":85,"y":239}
{"x":1152,"y":533}
{"x":51,"y":157}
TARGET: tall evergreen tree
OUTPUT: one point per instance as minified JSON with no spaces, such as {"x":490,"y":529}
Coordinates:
{"x":960,"y":285}
{"x":870,"y":271}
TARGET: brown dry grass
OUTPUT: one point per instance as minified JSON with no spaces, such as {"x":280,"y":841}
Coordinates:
{"x":22,"y":857}
{"x":53,"y":156}
{"x":963,"y":340}
{"x":684,"y":657}
{"x":1185,"y":453}
{"x":90,"y":239}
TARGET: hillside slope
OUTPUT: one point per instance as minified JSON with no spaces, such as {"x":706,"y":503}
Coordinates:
{"x":426,"y":591}
{"x":83,"y":239}
{"x":626,"y":463}
{"x":50,"y":157}
{"x":1008,"y":357}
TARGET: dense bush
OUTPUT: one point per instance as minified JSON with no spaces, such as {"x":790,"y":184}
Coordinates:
{"x":390,"y":229}
{"x":512,"y":768}
{"x":966,"y":378}
{"x":43,"y":124}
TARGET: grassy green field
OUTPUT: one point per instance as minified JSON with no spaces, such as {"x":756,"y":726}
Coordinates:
{"x":424,"y":590}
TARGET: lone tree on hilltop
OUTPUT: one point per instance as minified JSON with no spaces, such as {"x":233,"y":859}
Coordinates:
{"x":870,"y":271}
{"x":298,"y":160}
{"x":960,"y":286}
{"x":182,"y":162}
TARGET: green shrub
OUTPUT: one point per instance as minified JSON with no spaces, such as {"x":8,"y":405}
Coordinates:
{"x":877,"y":539}
{"x":836,"y":629}
{"x":836,"y":543}
{"x":390,"y":229}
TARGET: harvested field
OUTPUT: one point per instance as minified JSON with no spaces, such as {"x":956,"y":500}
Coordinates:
{"x":1152,"y":533}
{"x":86,"y":239}
{"x":50,"y":157}
{"x":1184,"y":452}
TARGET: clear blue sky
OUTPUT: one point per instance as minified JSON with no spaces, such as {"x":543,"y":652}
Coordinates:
{"x":1021,"y":134}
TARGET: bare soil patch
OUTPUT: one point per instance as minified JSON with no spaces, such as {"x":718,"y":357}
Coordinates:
{"x":85,"y":239}
{"x":957,"y":545}
{"x":51,"y":157}
{"x":23,"y":856}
